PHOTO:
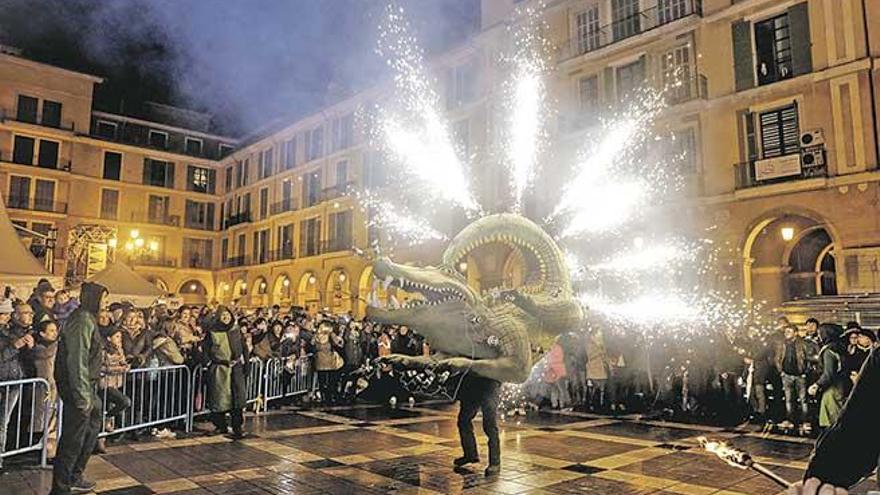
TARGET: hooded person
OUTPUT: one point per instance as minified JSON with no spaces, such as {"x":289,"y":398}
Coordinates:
{"x":833,"y":385}
{"x":77,"y":371}
{"x":227,"y":359}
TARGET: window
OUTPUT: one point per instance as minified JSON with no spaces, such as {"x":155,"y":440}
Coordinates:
{"x":224,"y":150}
{"x":375,"y":170}
{"x":670,"y":10}
{"x":290,"y":153}
{"x":199,"y":215}
{"x":229,"y":178}
{"x":683,"y":151}
{"x":343,"y":132}
{"x":675,"y":69}
{"x":286,"y":196}
{"x":461,"y":133}
{"x":242,"y":245}
{"x":158,"y":173}
{"x":27,"y":109}
{"x":285,"y":240}
{"x":158,"y":139}
{"x":261,"y":246}
{"x":197,"y":253}
{"x":264,"y":203}
{"x":200,"y":179}
{"x":112,"y":165}
{"x":773,"y":49}
{"x":157,"y":209}
{"x":44,"y":195}
{"x":310,"y":236}
{"x":109,"y":204}
{"x":51,"y":114}
{"x":224,"y":249}
{"x":588,"y":94}
{"x":48,"y":156}
{"x":314,"y":143}
{"x":192,"y":146}
{"x":342,"y":175}
{"x":241,"y":172}
{"x":624,"y":18}
{"x":779,"y":131}
{"x":19,"y":192}
{"x":460,"y":85}
{"x":587,"y":29}
{"x":23,"y":150}
{"x":629,"y":79}
{"x":105,"y":129}
{"x":312,"y":189}
{"x":266,"y":164}
{"x":340,"y":231}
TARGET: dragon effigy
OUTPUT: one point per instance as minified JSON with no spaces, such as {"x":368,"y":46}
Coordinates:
{"x":486,"y":334}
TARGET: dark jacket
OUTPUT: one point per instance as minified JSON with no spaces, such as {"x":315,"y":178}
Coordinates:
{"x":848,"y":450}
{"x":80,"y":350}
{"x":833,"y":373}
{"x":10,"y":357}
{"x":800,"y":353}
{"x":227,"y":358}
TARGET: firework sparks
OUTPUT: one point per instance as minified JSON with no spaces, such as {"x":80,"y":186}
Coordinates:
{"x":645,"y":309}
{"x":417,"y":134}
{"x":396,"y":221}
{"x":740,"y":459}
{"x":526,"y":123}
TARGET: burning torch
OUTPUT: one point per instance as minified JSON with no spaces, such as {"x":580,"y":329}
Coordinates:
{"x":740,"y":459}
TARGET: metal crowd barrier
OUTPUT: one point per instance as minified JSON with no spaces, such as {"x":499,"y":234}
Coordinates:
{"x":280,"y":382}
{"x":254,"y":384}
{"x":26,"y":410}
{"x":158,"y":396}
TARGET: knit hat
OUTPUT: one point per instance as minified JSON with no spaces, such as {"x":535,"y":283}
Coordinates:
{"x":6,"y":306}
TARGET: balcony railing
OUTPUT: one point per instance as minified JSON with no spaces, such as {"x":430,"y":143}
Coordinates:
{"x":64,"y":125}
{"x":236,"y":261}
{"x":283,"y":206}
{"x":63,"y":165}
{"x":160,"y":261}
{"x":239,"y":218}
{"x":155,"y":219}
{"x":205,"y":225}
{"x":336,"y":245}
{"x":665,"y":12}
{"x":196,"y":260}
{"x":808,"y":163}
{"x":35,"y":204}
{"x":336,"y":191}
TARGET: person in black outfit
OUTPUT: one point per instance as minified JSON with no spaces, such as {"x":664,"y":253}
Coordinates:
{"x":848,"y":451}
{"x":477,"y":393}
{"x":77,"y":370}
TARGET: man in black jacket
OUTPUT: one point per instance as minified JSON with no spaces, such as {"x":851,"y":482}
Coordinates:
{"x":77,"y":369}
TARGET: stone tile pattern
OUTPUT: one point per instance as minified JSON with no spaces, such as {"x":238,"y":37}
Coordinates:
{"x":368,"y":450}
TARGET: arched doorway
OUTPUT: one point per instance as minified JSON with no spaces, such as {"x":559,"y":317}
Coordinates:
{"x":193,"y":292}
{"x":159,"y":283}
{"x":338,"y":291}
{"x":308,"y":293}
{"x":789,"y":256}
{"x":282,"y":291}
{"x":260,"y":293}
{"x":239,"y":290}
{"x":366,"y":288}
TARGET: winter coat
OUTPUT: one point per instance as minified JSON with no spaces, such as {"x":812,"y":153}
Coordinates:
{"x":327,"y":358}
{"x":833,"y":384}
{"x":227,"y":358}
{"x":849,"y":450}
{"x":63,"y":311}
{"x":136,"y":347}
{"x":405,"y":344}
{"x":80,"y":351}
{"x":39,"y":361}
{"x":114,"y":368}
{"x":10,"y":357}
{"x":353,"y":348}
{"x":268,"y":347}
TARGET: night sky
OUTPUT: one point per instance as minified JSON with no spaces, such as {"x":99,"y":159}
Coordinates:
{"x":248,"y":62}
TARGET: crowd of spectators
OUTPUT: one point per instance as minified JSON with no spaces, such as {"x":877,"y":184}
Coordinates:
{"x":795,"y":377}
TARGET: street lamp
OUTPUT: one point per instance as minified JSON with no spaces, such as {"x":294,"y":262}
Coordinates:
{"x":787,"y":233}
{"x":137,"y":247}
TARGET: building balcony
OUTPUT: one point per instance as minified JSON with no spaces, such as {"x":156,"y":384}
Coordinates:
{"x":155,"y":261}
{"x":336,"y":245}
{"x":666,"y":12}
{"x":35,"y":204}
{"x":236,"y":261}
{"x":64,"y":125}
{"x":336,"y":191}
{"x":240,"y":218}
{"x":62,"y":165}
{"x":808,"y":163}
{"x":283,"y":206}
{"x":197,"y":261}
{"x":205,"y":225}
{"x":154,"y":218}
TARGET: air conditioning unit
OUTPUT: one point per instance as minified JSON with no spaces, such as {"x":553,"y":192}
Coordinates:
{"x":813,"y":137}
{"x":813,"y":161}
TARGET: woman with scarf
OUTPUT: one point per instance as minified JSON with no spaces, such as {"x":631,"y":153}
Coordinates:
{"x":834,"y":383}
{"x":227,"y":359}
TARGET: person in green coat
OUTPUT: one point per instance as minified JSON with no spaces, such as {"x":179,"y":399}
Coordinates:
{"x":227,"y":359}
{"x":834,"y":383}
{"x":77,"y":370}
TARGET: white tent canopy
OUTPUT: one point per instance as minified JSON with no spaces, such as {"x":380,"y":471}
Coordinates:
{"x":18,"y":267}
{"x":126,"y":285}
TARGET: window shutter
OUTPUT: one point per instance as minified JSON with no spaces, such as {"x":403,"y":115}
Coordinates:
{"x":751,"y":141}
{"x":801,"y":46}
{"x":608,"y":78}
{"x":169,"y":175}
{"x":743,"y":65}
{"x":147,"y":167}
{"x":212,"y":180}
{"x":209,"y":221}
{"x":190,"y":177}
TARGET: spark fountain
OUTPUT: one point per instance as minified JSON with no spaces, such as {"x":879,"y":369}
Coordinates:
{"x":740,"y":459}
